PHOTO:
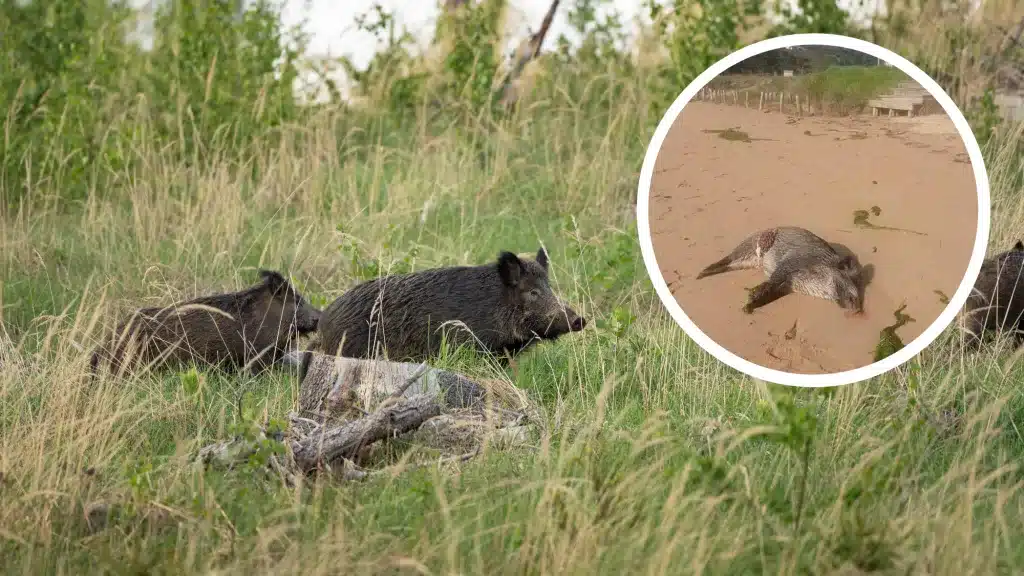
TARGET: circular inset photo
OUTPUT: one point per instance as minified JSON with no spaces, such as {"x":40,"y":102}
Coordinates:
{"x":813,"y":210}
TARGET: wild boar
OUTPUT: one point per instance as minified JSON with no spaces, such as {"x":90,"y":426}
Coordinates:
{"x":996,"y":304}
{"x":507,"y":306}
{"x":253,"y":327}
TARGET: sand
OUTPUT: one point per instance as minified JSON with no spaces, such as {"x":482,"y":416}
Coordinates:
{"x":710,"y":192}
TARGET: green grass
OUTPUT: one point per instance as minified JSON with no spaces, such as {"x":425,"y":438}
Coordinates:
{"x":852,"y":84}
{"x":645,"y":465}
{"x":652,"y":457}
{"x":838,"y":89}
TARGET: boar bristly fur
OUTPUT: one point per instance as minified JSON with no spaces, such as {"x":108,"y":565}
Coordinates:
{"x":996,"y":304}
{"x":506,"y":306}
{"x":252,"y":327}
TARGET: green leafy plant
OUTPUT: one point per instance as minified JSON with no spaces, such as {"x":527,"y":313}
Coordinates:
{"x":615,"y":260}
{"x":191,"y":382}
{"x":812,"y":16}
{"x":985,"y":119}
{"x":366,"y":267}
{"x":390,"y":75}
{"x":471,"y":64}
{"x":618,"y":323}
{"x":695,"y":39}
{"x":225,"y":67}
{"x":140,"y":480}
{"x":795,"y":424}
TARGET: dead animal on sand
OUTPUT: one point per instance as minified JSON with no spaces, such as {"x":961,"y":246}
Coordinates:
{"x":795,"y":260}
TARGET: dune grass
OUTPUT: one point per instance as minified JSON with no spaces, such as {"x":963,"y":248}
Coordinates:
{"x":837,"y":89}
{"x":652,"y":457}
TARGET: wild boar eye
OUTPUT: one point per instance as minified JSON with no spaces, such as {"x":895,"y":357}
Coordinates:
{"x":535,"y":293}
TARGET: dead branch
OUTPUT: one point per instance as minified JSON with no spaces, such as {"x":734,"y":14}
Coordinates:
{"x":1009,"y":41}
{"x":330,"y":429}
{"x":526,"y":52}
{"x":345,"y":441}
{"x":409,"y":382}
{"x":1013,"y":39}
{"x":319,"y":444}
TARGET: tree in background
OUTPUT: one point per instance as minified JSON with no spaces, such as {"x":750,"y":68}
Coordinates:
{"x":220,"y":78}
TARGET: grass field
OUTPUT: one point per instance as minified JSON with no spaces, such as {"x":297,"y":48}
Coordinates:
{"x":652,"y":456}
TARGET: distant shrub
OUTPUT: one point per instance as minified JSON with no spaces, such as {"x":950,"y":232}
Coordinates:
{"x":848,"y":88}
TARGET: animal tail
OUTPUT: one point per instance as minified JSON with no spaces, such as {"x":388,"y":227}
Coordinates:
{"x":741,"y":258}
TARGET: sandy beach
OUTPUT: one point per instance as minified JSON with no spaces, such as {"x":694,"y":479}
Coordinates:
{"x":725,"y":172}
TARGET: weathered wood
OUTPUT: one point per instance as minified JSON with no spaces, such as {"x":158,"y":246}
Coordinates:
{"x":345,"y":441}
{"x":334,"y":387}
{"x":321,"y":445}
{"x":347,"y":405}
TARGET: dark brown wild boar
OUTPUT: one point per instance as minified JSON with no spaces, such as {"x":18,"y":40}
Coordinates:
{"x":252,"y":327}
{"x":507,"y":306}
{"x":996,"y":304}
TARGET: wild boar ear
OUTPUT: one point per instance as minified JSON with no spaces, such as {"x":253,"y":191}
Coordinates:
{"x":848,"y":264}
{"x":542,"y":258}
{"x":1018,"y":246}
{"x":273,"y":280}
{"x":509,"y":268}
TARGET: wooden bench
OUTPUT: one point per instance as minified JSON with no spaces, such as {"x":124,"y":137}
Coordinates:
{"x":907,"y":97}
{"x":907,"y":104}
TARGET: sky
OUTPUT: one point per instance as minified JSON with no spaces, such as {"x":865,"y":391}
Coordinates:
{"x":332,"y":31}
{"x":332,"y":22}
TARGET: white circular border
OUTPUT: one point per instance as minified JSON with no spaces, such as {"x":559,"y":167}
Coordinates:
{"x":849,"y":376}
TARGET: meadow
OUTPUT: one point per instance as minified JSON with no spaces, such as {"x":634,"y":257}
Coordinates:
{"x":134,"y":179}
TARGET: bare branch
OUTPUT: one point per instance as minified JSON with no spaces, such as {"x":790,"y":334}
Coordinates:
{"x":345,"y":441}
{"x":526,"y":52}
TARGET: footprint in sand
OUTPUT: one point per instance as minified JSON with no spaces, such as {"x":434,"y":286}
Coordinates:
{"x":791,"y":352}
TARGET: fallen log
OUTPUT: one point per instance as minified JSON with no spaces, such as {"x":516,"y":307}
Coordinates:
{"x":310,"y":449}
{"x":335,"y":387}
{"x":345,"y":441}
{"x":347,"y":405}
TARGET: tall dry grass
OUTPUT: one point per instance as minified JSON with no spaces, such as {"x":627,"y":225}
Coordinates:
{"x":654,"y":458}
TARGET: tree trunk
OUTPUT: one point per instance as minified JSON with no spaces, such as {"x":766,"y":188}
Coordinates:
{"x":526,"y":52}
